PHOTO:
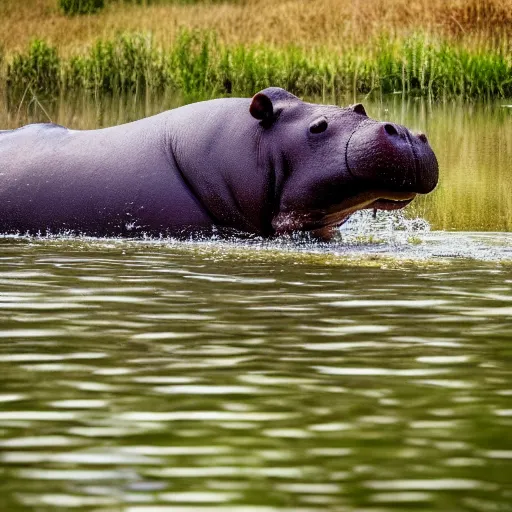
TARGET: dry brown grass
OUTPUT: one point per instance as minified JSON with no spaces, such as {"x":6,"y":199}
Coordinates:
{"x":331,"y":23}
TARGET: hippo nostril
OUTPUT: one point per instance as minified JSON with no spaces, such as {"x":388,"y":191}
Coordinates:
{"x":390,"y":129}
{"x":422,"y":137}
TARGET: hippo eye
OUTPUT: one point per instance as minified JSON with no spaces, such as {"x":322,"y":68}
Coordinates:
{"x":318,"y":125}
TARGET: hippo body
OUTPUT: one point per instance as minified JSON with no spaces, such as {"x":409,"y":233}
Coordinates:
{"x":265,"y":166}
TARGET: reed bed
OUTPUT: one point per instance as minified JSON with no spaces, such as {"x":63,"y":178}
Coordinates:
{"x":199,"y":65}
{"x":439,"y":48}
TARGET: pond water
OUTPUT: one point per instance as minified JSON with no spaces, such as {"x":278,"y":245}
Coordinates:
{"x":218,"y":376}
{"x":370,"y":373}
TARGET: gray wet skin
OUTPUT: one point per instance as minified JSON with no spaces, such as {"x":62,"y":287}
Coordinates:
{"x":266,"y":166}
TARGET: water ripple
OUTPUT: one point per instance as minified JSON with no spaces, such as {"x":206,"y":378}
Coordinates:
{"x":253,"y":376}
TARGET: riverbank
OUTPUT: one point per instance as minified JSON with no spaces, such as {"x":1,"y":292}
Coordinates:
{"x":200,"y":65}
{"x":203,"y":49}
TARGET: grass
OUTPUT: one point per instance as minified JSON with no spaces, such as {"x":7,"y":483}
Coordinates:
{"x":198,"y":64}
{"x":437,"y":48}
{"x":333,"y":24}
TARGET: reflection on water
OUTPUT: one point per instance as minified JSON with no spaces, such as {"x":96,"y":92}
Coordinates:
{"x":372,"y":373}
{"x":473,"y":143}
{"x":214,"y":377}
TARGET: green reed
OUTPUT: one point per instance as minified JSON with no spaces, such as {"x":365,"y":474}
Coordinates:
{"x":198,"y":65}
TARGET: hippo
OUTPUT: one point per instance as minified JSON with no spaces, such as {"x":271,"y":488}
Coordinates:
{"x":266,"y":166}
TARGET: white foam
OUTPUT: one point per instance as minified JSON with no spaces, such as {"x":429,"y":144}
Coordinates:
{"x":386,"y":233}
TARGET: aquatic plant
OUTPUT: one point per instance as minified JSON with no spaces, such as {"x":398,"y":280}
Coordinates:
{"x":197,"y":64}
{"x":128,"y":63}
{"x":38,"y":68}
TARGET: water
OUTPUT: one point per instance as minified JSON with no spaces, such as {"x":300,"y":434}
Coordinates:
{"x":218,"y":376}
{"x":369,"y":374}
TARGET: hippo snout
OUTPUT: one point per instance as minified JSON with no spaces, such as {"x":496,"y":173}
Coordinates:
{"x":387,"y":155}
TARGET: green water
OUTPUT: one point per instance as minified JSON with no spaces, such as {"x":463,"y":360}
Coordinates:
{"x":373,"y":373}
{"x":146,"y":377}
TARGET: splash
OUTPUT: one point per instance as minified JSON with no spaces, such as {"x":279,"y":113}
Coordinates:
{"x":382,"y":227}
{"x":365,"y":239}
{"x":393,"y":234}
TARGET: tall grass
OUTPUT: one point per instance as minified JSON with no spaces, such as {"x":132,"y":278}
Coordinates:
{"x":332,"y":24}
{"x":198,"y":64}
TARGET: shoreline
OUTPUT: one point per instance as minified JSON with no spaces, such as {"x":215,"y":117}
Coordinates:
{"x":198,"y":65}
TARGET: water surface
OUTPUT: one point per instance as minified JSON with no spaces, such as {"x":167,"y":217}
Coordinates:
{"x":218,"y":376}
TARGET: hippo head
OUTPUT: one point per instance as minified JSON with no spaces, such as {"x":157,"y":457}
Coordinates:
{"x":330,"y":162}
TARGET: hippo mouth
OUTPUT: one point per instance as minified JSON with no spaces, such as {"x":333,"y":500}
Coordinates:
{"x":287,"y":222}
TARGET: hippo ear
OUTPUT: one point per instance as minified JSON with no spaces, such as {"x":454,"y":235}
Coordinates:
{"x":359,"y":109}
{"x":261,"y":107}
{"x":267,"y":104}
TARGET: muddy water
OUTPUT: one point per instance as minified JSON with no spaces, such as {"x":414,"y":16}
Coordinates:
{"x":372,"y":373}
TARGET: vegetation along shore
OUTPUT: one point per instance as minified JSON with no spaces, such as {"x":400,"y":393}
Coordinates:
{"x":433,"y":48}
